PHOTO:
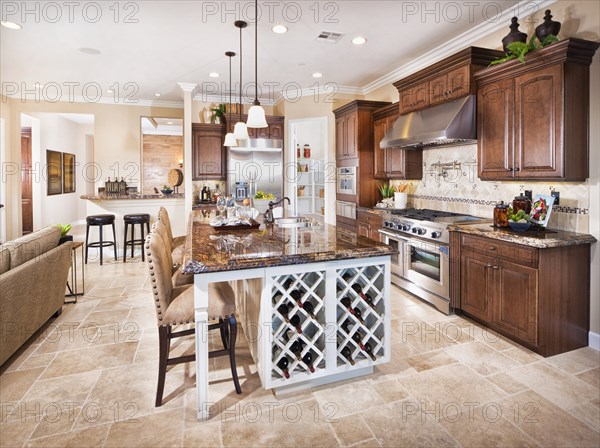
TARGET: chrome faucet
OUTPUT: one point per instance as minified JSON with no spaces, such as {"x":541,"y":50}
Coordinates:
{"x":268,"y":215}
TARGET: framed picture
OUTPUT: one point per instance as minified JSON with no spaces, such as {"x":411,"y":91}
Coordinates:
{"x":54,"y":165}
{"x":68,"y":172}
{"x":541,"y":209}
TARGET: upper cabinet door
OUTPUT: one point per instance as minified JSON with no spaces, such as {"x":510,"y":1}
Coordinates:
{"x":340,"y":137}
{"x":438,"y":89}
{"x":209,"y":158}
{"x":276,"y":131}
{"x":351,"y":135}
{"x":458,"y":82}
{"x":380,"y":128}
{"x":538,"y":118}
{"x":495,"y":104}
{"x":414,"y":98}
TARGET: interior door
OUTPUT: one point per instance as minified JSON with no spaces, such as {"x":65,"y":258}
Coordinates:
{"x":26,"y":188}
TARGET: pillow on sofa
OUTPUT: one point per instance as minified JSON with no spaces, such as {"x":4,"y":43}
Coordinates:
{"x":4,"y":260}
{"x":33,"y":245}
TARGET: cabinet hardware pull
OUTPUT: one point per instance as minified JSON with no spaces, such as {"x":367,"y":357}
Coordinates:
{"x":492,"y":247}
{"x":488,"y":266}
{"x":517,"y":169}
{"x":495,"y":268}
{"x":509,"y":169}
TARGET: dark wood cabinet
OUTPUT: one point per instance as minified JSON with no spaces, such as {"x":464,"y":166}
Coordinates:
{"x":209,"y":156}
{"x":533,"y":117}
{"x":393,"y":163}
{"x":273,"y":131}
{"x":369,"y":225}
{"x":444,"y":81}
{"x":354,"y":148}
{"x":537,"y":297}
{"x":276,"y":131}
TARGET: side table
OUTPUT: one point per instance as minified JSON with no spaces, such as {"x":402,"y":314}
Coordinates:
{"x":73,"y":291}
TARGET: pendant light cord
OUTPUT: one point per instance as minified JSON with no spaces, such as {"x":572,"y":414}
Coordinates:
{"x":241,"y":60}
{"x":229,"y":124}
{"x":256,"y":102}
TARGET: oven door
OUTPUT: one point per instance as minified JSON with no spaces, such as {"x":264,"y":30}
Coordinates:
{"x":397,"y":243}
{"x":427,"y":265}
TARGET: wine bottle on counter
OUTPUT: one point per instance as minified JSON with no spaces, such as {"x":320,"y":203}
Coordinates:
{"x":366,"y":297}
{"x":309,"y":308}
{"x":348,"y":304}
{"x":358,"y":337}
{"x":296,"y":348}
{"x":296,"y":323}
{"x":308,"y":360}
{"x":283,"y":364}
{"x":369,"y":351}
{"x":347,"y":353}
{"x":358,"y":315}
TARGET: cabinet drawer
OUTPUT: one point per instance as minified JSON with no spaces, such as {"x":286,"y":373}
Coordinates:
{"x":526,"y":256}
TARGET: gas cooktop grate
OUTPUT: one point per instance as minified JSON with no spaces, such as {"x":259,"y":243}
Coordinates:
{"x":423,"y":214}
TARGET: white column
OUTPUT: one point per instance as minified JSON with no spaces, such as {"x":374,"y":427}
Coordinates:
{"x":188,"y":90}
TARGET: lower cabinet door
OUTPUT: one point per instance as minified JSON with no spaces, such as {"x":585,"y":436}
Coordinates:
{"x":476,"y":286}
{"x":516,"y":300}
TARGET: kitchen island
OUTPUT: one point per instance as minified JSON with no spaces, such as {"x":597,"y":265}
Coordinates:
{"x":344,"y":277}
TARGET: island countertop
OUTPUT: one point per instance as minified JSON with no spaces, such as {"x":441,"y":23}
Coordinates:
{"x":538,"y":239}
{"x":211,"y":250}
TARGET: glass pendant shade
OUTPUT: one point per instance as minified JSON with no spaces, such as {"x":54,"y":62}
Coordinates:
{"x":230,"y":140}
{"x":240,"y":132}
{"x":256,"y":118}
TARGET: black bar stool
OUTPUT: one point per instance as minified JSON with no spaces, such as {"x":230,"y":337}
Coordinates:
{"x":133,"y":219}
{"x":100,"y":220}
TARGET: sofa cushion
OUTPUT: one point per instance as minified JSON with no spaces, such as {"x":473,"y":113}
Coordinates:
{"x":33,"y":245}
{"x":4,"y":259}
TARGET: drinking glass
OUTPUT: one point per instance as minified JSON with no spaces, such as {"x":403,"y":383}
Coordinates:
{"x":221,"y":204}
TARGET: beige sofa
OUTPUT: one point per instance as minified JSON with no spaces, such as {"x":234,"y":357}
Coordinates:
{"x":33,"y":277}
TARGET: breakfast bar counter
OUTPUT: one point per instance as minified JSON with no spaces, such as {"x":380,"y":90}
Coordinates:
{"x":320,"y":286}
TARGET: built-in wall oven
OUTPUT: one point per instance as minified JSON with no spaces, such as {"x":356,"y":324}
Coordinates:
{"x":421,"y":267}
{"x":346,"y":180}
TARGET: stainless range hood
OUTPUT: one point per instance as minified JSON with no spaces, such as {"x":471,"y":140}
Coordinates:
{"x":259,"y":144}
{"x":446,"y":124}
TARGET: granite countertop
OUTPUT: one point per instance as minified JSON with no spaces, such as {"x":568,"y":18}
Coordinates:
{"x":531,"y":238}
{"x":206,"y":249}
{"x":132,"y":196}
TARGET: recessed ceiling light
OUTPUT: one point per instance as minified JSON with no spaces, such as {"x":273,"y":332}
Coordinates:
{"x":359,"y":40}
{"x":279,"y":29}
{"x":90,"y":51}
{"x":317,"y":75}
{"x":11,"y":25}
{"x":169,"y":122}
{"x":214,"y":75}
{"x":157,"y":95}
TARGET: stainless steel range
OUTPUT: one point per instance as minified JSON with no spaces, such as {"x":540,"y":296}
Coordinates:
{"x":422,"y":265}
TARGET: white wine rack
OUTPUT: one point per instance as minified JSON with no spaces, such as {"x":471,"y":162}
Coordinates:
{"x":324,"y":284}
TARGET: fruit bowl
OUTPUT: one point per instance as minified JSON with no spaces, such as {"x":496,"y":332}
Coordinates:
{"x":166,"y":191}
{"x":519,"y":226}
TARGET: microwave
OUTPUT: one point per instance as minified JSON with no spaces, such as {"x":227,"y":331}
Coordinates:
{"x":346,"y":180}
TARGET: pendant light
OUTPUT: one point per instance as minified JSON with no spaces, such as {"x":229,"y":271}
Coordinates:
{"x":230,"y":139}
{"x":240,"y":131}
{"x":256,"y":114}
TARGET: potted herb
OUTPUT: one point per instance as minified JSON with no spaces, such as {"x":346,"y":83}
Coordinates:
{"x":64,"y":230}
{"x":518,"y":50}
{"x":218,"y":114}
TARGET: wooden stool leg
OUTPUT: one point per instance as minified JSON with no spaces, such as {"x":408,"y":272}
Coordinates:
{"x":232,"y":337}
{"x":125,"y":243}
{"x":163,"y":345}
{"x":224,"y":334}
{"x":114,"y":240}
{"x":87,"y":234}
{"x":100,"y":244}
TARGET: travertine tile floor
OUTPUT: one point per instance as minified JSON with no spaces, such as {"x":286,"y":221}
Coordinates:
{"x":89,"y":380}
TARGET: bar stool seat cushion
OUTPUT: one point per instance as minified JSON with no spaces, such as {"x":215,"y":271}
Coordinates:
{"x":221,"y":304}
{"x":96,"y":220}
{"x":137,"y":218}
{"x":177,"y":254}
{"x":180,"y":279}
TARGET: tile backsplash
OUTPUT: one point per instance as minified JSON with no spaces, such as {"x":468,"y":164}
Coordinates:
{"x":462,"y":191}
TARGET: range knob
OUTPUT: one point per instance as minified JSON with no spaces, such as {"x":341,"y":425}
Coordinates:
{"x":387,"y":224}
{"x":421,"y":231}
{"x":436,"y":234}
{"x":406,"y":227}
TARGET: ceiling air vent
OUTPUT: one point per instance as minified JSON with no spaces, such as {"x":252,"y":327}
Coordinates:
{"x":329,"y":37}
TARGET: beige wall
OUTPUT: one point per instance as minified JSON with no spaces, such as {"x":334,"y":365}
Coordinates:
{"x":117,"y":145}
{"x":161,"y":153}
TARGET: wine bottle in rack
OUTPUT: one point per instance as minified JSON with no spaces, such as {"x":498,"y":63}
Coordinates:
{"x":347,"y":277}
{"x":296,"y":348}
{"x":358,"y":315}
{"x":347,"y":325}
{"x":296,"y":323}
{"x":309,"y":308}
{"x":348,"y":304}
{"x":347,"y":353}
{"x":369,"y":351}
{"x":287,"y":334}
{"x":288,"y":284}
{"x":284,"y":310}
{"x":308,"y":360}
{"x":358,"y":337}
{"x":283,"y":364}
{"x":366,"y":297}
{"x":296,"y":295}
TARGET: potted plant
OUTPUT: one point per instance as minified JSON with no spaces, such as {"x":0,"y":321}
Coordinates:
{"x":218,"y":114}
{"x":64,"y":230}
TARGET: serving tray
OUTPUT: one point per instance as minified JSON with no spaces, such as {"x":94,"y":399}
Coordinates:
{"x":253,"y":225}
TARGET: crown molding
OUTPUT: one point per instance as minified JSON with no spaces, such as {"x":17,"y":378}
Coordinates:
{"x":453,"y":45}
{"x":235,"y":99}
{"x":105,"y":100}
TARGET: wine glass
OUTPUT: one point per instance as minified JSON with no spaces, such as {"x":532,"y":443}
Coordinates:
{"x":221,"y":204}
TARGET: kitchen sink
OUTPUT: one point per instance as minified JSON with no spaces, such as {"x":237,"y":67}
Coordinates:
{"x":296,"y":222}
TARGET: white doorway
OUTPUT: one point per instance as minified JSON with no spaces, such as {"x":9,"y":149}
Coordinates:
{"x":307,"y":149}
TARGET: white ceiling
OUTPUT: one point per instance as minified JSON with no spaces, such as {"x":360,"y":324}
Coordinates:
{"x":172,"y":42}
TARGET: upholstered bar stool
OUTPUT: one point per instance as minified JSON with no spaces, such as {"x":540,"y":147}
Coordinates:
{"x":175,"y":306}
{"x":131,"y":220}
{"x":100,"y":221}
{"x":177,"y":244}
